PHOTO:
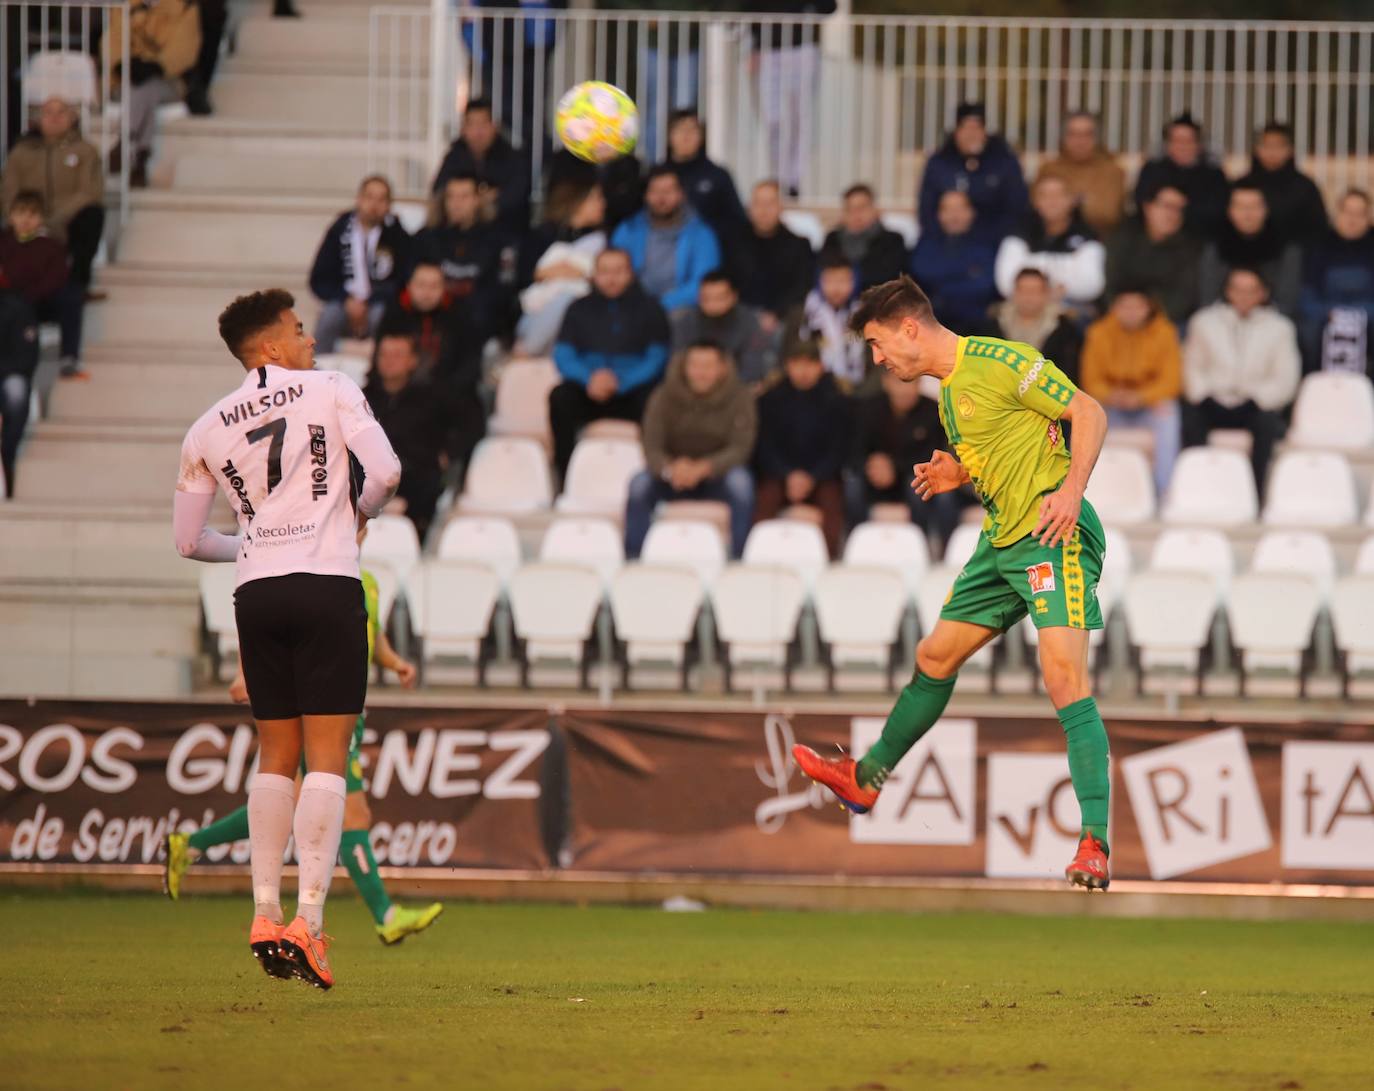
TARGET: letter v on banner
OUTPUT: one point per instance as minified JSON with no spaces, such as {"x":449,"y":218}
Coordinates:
{"x":929,"y":798}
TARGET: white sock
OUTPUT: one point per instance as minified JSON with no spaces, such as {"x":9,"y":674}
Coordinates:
{"x":271,"y":801}
{"x":319,"y":825}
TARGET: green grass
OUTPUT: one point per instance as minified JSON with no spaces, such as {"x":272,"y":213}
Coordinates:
{"x":134,"y":992}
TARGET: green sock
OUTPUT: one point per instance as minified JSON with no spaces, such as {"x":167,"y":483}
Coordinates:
{"x":356,"y":850}
{"x":232,"y":827}
{"x":918,"y":707}
{"x":1088,"y":765}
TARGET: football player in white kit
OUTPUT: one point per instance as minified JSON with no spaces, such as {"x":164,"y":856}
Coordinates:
{"x":278,"y":448}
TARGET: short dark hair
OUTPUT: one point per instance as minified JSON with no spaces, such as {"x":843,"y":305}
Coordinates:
{"x":719,"y":276}
{"x":613,"y":250}
{"x":1032,"y":272}
{"x":1247,"y":186}
{"x":1277,"y":128}
{"x":463,"y":176}
{"x":29,"y":199}
{"x":858,"y":189}
{"x":706,"y":344}
{"x":249,"y":315}
{"x":1153,"y":191}
{"x":1185,"y":119}
{"x":660,"y":170}
{"x":380,"y":178}
{"x":686,"y":113}
{"x":479,"y":105}
{"x":425,"y":263}
{"x":833,"y":258}
{"x":1249,"y":270}
{"x":891,"y":301}
{"x":398,"y":335}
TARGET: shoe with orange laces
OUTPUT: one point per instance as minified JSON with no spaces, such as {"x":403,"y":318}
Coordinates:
{"x":307,"y":954}
{"x":1089,"y":867}
{"x":265,"y":940}
{"x":837,"y":774}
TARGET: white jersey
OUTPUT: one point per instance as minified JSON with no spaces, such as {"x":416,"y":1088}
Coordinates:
{"x":277,"y":447}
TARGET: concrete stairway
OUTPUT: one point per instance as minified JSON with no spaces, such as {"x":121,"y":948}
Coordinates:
{"x":94,"y":601}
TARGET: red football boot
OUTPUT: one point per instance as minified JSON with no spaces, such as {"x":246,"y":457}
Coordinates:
{"x":1089,"y":867}
{"x":837,"y":774}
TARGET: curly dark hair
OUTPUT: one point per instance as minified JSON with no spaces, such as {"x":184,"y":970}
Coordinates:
{"x":890,"y":302}
{"x":249,"y":315}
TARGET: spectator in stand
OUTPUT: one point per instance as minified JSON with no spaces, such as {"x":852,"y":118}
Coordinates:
{"x":427,"y":430}
{"x":1034,"y":317}
{"x":54,"y":161}
{"x":895,"y":428}
{"x":980,"y":164}
{"x":447,"y":352}
{"x":1295,"y":203}
{"x":1338,"y":289}
{"x":721,"y":319}
{"x":164,"y":45}
{"x":670,"y":246}
{"x":1249,"y":238}
{"x":825,"y":321}
{"x":563,"y":249}
{"x":1093,"y":176}
{"x":699,"y":430}
{"x":1131,"y":364}
{"x":1185,"y":167}
{"x":483,"y":152}
{"x":34,"y":266}
{"x":804,"y":441}
{"x":876,"y":253}
{"x":1240,"y":369}
{"x":710,"y":189}
{"x":773,"y":267}
{"x":18,"y":362}
{"x":480,"y":259}
{"x":611,"y":352}
{"x":1153,"y":252}
{"x":1054,"y":239}
{"x":360,"y":266}
{"x":955,"y":265}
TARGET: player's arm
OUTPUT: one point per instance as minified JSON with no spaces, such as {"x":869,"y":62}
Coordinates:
{"x":195,"y":497}
{"x":388,"y":659}
{"x":1059,"y":510}
{"x":365,"y":438}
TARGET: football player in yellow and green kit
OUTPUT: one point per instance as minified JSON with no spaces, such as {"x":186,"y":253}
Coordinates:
{"x":1002,"y":405}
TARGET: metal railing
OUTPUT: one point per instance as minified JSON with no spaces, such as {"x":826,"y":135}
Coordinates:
{"x":56,"y":49}
{"x":868,"y":98}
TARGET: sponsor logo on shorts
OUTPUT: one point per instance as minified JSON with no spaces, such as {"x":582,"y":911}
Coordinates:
{"x":1028,"y":380}
{"x":1041,"y":577}
{"x":1042,"y":606}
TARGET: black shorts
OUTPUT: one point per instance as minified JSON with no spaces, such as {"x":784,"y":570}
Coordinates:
{"x":303,"y":645}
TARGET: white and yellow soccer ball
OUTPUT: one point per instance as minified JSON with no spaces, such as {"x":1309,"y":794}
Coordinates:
{"x":597,"y":121}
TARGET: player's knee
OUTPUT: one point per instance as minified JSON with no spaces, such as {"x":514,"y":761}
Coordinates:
{"x":1066,"y":677}
{"x":933,"y":660}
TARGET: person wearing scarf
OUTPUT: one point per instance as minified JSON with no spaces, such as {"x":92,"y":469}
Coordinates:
{"x":1248,"y":239}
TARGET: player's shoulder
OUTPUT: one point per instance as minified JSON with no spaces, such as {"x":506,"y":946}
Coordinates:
{"x":997,"y":360}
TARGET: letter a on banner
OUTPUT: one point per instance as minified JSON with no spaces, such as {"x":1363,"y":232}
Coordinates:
{"x":929,"y":797}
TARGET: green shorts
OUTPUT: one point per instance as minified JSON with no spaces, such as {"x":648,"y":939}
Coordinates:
{"x":1056,"y":587}
{"x":353,"y":767}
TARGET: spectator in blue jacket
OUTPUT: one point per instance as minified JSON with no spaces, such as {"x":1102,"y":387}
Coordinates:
{"x":980,"y":164}
{"x":955,"y":266}
{"x":611,"y":351}
{"x":1338,"y":288}
{"x":669,"y":245}
{"x":361,"y":266}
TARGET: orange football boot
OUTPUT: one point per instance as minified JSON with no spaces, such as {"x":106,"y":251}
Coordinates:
{"x":307,"y":954}
{"x":837,"y":774}
{"x":1089,"y":867}
{"x":265,"y":940}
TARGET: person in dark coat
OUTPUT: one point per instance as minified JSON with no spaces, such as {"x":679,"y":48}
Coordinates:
{"x":1186,"y":167}
{"x":773,"y":267}
{"x":709,"y":188}
{"x":1151,"y":251}
{"x":1338,"y":289}
{"x":1296,"y":208}
{"x":981,"y":164}
{"x":1249,"y":239}
{"x":955,"y":265}
{"x":805,"y":422}
{"x":446,"y":340}
{"x":483,"y":152}
{"x":877,"y":254}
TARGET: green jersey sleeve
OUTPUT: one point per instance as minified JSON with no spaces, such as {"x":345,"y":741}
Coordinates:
{"x":1045,"y":389}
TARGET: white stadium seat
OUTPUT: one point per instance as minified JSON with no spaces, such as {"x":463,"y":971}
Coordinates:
{"x":484,"y":540}
{"x":806,"y":224}
{"x":1271,"y":620}
{"x":689,"y":542}
{"x":962,"y":543}
{"x":388,"y":587}
{"x":900,"y":547}
{"x":1352,"y":620}
{"x":1311,"y":489}
{"x":522,"y":400}
{"x":217,"y":604}
{"x":507,"y":475}
{"x":412,"y":215}
{"x":1364,"y":559}
{"x":1186,"y":549}
{"x":655,"y":608}
{"x":859,"y":613}
{"x":599,"y":476}
{"x":451,"y":607}
{"x":554,"y":608}
{"x":355,"y":367}
{"x":789,"y":543}
{"x":1122,"y":488}
{"x":756,"y":608}
{"x":1169,"y":618}
{"x":904,"y":223}
{"x":1304,"y":553}
{"x":391,"y":539}
{"x":1211,"y":487}
{"x":1334,"y":410}
{"x":594,"y":543}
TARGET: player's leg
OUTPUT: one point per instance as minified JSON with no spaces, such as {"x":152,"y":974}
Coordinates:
{"x":271,"y":807}
{"x":393,"y":922}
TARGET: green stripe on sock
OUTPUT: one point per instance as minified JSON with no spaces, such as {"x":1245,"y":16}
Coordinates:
{"x":1089,"y":765}
{"x":918,"y":706}
{"x":356,"y":850}
{"x":232,"y":827}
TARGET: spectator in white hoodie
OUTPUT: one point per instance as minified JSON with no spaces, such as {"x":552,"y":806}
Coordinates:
{"x":1240,"y":368}
{"x":1055,"y":239}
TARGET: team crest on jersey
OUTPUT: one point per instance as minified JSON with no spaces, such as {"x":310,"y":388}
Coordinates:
{"x":965,"y":404}
{"x":1041,"y":577}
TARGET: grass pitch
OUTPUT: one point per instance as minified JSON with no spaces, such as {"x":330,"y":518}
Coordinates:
{"x":135,"y":992}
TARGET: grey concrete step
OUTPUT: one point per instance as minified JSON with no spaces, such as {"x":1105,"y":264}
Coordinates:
{"x":94,"y":553}
{"x":343,"y":40}
{"x":134,"y":464}
{"x":202,"y":240}
{"x":325,"y":103}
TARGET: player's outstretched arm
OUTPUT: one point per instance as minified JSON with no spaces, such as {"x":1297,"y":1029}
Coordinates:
{"x":195,"y":540}
{"x":1060,"y":510}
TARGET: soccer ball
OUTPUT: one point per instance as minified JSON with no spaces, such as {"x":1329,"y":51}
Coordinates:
{"x":597,"y":121}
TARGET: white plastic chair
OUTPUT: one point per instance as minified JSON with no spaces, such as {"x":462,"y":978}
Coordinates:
{"x":962,"y":544}
{"x":859,"y":613}
{"x":1211,"y":487}
{"x":65,"y":74}
{"x":1311,"y":489}
{"x":1122,"y":488}
{"x":507,"y":475}
{"x":900,"y":547}
{"x":686,"y":542}
{"x":655,"y":610}
{"x":904,"y":223}
{"x":1200,"y":550}
{"x":806,"y":224}
{"x":217,"y":583}
{"x":1271,"y":617}
{"x":1303,"y":553}
{"x":1169,"y":619}
{"x":756,"y":608}
{"x":789,"y":543}
{"x":554,"y":608}
{"x":355,"y":367}
{"x":451,"y":608}
{"x":1352,"y":621}
{"x":1334,"y":410}
{"x":598,"y":479}
{"x":522,"y":400}
{"x":388,"y":588}
{"x":482,"y":540}
{"x":592,"y":542}
{"x":391,"y":539}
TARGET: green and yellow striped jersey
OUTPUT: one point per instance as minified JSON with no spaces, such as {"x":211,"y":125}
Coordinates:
{"x":371,"y":597}
{"x":1000,"y":408}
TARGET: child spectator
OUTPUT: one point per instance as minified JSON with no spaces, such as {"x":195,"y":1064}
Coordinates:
{"x":34,"y":266}
{"x":825,"y":321}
